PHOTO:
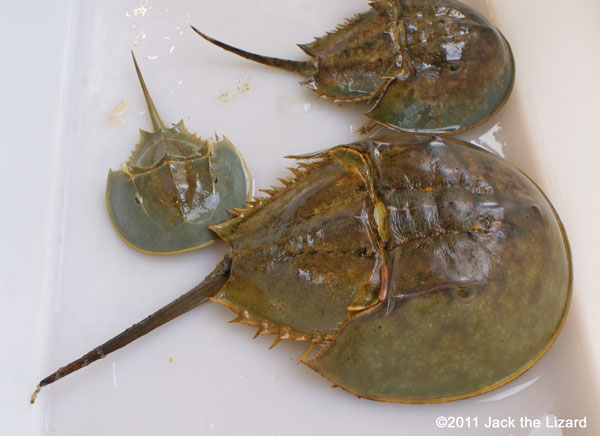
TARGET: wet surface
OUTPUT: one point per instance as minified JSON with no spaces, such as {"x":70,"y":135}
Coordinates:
{"x":98,"y":286}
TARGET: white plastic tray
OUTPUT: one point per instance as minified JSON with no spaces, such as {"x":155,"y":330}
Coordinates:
{"x":199,"y":375}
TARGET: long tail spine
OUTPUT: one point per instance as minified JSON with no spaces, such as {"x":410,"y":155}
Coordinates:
{"x":191,"y":299}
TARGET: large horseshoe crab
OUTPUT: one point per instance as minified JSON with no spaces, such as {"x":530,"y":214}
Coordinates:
{"x":432,"y":66}
{"x":174,"y":186}
{"x":417,"y":269}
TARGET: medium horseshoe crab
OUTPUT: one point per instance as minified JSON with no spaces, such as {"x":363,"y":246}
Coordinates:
{"x":174,"y":186}
{"x":423,"y":268}
{"x":434,"y":66}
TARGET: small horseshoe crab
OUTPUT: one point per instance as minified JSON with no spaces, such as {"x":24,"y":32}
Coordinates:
{"x":174,"y":186}
{"x":431,"y":66}
{"x":423,"y":270}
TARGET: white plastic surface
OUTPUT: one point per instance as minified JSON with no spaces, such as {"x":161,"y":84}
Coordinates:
{"x":72,"y":107}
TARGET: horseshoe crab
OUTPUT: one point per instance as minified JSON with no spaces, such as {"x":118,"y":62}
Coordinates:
{"x":434,"y":66}
{"x":174,"y":186}
{"x":423,"y":268}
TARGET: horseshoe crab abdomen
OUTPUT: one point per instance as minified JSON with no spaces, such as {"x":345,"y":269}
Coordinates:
{"x":303,"y":257}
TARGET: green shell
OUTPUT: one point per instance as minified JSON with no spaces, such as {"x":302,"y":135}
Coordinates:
{"x":174,"y":186}
{"x":426,"y":270}
{"x":433,"y":66}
